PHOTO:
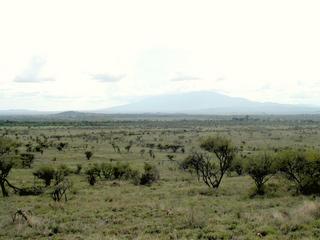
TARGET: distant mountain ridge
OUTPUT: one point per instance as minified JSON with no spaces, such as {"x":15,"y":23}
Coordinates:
{"x":197,"y":103}
{"x":207,"y":103}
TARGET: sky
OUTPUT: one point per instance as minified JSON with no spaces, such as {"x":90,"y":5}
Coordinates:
{"x":81,"y":55}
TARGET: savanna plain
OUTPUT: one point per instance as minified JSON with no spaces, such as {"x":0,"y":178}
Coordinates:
{"x":150,"y":179}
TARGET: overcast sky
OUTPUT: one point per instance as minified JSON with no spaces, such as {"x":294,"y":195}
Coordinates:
{"x":63,"y":55}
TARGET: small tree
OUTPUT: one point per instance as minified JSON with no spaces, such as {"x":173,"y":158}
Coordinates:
{"x":5,"y":168}
{"x":7,"y":147}
{"x":206,"y":169}
{"x":260,"y":168}
{"x":88,"y":154}
{"x":303,"y":169}
{"x":61,"y":146}
{"x":150,"y":175}
{"x":194,"y":162}
{"x":27,"y":159}
{"x":61,"y":172}
{"x":213,"y":171}
{"x":60,"y":190}
{"x":92,"y":173}
{"x":45,"y":173}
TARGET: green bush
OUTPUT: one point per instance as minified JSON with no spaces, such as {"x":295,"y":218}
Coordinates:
{"x":26,"y":159}
{"x":78,"y":169}
{"x":122,"y":171}
{"x":260,"y":168}
{"x":107,"y":171}
{"x":150,"y":175}
{"x":119,"y":171}
{"x":92,"y":173}
{"x":237,"y":166}
{"x":7,"y":147}
{"x":88,"y":154}
{"x":61,"y":172}
{"x":303,"y":169}
{"x":45,"y":173}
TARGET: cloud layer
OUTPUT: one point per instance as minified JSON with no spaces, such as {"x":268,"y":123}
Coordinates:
{"x":114,"y":55}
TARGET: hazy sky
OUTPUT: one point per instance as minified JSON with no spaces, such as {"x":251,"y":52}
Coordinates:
{"x":59,"y":55}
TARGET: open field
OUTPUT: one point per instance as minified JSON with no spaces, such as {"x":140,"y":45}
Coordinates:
{"x":178,"y":206}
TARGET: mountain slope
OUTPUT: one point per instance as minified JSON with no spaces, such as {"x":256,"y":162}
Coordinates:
{"x":207,"y":103}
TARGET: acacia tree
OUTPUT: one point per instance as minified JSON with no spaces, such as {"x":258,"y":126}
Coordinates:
{"x":7,"y":147}
{"x":225,"y":153}
{"x":260,"y":168}
{"x":211,"y":170}
{"x":88,"y":154}
{"x":303,"y":169}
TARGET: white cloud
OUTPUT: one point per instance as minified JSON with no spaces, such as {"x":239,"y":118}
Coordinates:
{"x":253,"y":43}
{"x":105,"y":77}
{"x":33,"y":72}
{"x":180,"y":77}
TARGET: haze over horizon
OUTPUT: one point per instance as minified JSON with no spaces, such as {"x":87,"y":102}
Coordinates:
{"x":82,"y":55}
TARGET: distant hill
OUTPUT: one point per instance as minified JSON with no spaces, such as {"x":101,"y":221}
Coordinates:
{"x":72,"y":114}
{"x":207,"y":103}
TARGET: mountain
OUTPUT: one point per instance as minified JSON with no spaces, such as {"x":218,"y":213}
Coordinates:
{"x":207,"y":103}
{"x":196,"y":103}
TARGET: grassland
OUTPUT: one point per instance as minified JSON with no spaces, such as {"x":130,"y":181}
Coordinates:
{"x":177,"y":206}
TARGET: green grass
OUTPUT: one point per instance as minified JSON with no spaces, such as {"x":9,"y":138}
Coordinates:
{"x":176,"y":207}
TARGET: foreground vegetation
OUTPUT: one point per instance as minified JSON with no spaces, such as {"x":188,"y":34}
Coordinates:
{"x":197,"y":179}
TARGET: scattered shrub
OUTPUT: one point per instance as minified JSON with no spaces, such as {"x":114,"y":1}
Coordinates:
{"x":150,"y":175}
{"x":107,"y":171}
{"x":88,"y":154}
{"x":61,"y":172}
{"x":78,"y":169}
{"x":61,"y":146}
{"x":92,"y":173}
{"x":119,"y":171}
{"x":60,"y":190}
{"x":26,"y":159}
{"x":45,"y":173}
{"x":122,"y":171}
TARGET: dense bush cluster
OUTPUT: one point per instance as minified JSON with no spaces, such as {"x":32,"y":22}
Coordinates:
{"x":121,"y":171}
